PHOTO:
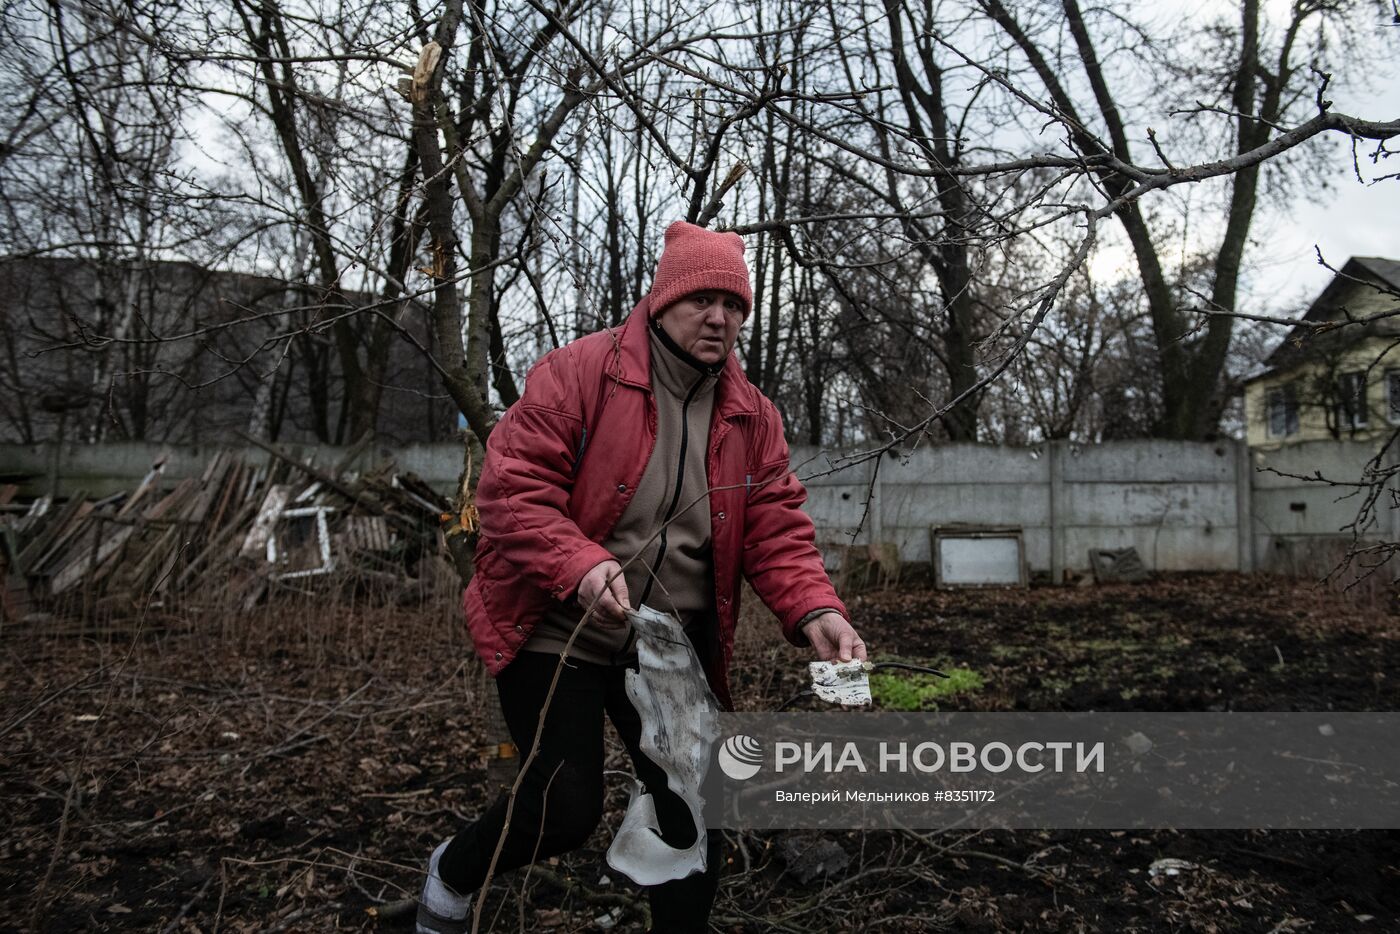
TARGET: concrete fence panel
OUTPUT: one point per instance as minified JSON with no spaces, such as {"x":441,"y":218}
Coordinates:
{"x":1182,"y":505}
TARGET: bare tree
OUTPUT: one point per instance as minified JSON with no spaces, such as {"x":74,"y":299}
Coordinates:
{"x":1262,"y":89}
{"x":489,"y":180}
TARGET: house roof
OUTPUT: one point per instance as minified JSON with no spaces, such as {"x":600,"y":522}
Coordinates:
{"x":1302,"y":342}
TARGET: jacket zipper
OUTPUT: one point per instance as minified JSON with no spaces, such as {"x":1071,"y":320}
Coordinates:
{"x":675,"y":499}
{"x":676,"y":495}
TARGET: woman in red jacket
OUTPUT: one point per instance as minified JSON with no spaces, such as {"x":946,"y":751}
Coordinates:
{"x":639,"y":467}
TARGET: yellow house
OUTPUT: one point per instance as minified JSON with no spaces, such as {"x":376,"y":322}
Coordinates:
{"x":1339,"y":382}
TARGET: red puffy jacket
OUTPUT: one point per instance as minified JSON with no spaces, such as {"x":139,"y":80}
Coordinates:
{"x":563,"y":462}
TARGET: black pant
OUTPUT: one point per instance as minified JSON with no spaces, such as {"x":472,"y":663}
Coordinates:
{"x":561,"y":798}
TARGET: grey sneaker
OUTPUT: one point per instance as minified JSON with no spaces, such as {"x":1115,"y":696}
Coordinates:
{"x":435,"y":900}
{"x":430,"y":922}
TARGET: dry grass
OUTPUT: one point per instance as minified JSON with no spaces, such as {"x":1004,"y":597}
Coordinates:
{"x":285,"y":768}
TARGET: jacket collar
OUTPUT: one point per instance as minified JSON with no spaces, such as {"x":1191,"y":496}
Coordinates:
{"x":677,"y":372}
{"x":734,"y":394}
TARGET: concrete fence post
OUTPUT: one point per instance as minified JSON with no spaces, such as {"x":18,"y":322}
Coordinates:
{"x":1055,"y":452}
{"x":1244,"y":505}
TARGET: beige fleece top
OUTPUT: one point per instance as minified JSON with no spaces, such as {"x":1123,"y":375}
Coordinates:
{"x":668,"y":569}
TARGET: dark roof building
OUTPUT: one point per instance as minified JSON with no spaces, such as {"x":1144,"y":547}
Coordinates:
{"x":173,"y":352}
{"x":1338,"y":381}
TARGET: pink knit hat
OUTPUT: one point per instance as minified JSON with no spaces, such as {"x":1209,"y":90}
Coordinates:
{"x":695,"y":259}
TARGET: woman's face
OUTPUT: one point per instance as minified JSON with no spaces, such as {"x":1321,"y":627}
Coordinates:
{"x":705,"y":324}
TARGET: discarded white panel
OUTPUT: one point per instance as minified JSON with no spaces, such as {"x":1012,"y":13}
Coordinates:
{"x":989,"y":557}
{"x":278,"y":553}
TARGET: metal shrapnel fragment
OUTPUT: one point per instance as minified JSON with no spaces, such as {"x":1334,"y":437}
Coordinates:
{"x":844,"y":683}
{"x":680,"y":725}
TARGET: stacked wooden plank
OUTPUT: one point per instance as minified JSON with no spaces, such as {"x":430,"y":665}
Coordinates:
{"x":227,"y":538}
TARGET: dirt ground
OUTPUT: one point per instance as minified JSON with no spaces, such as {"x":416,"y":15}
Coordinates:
{"x":287,"y":769}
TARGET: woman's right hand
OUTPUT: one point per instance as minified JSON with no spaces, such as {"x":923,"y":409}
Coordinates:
{"x":605,"y":585}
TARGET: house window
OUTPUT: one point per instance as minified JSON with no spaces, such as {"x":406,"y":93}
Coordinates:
{"x":1392,"y":395}
{"x":1283,"y":411}
{"x":1351,"y":400}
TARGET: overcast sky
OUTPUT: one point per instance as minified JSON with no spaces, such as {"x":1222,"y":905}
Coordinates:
{"x":1351,"y":220}
{"x":1282,"y":273}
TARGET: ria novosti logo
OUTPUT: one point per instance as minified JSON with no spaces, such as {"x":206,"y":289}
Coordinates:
{"x":741,"y":757}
